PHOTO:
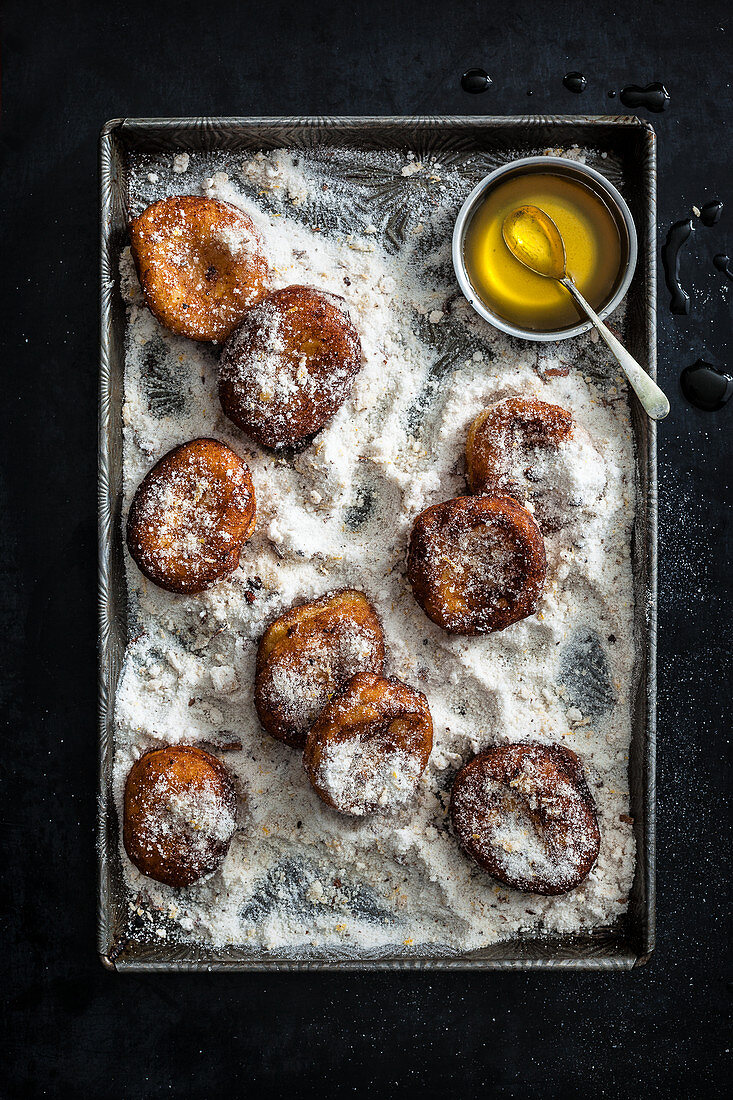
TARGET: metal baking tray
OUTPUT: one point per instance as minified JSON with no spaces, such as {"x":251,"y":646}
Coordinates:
{"x":630,"y":146}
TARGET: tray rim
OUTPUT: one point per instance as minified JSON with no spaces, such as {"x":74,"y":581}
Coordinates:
{"x":111,"y":953}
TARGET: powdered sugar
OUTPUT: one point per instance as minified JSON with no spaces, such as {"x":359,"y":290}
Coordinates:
{"x":199,"y":813}
{"x":358,"y":774}
{"x":339,"y":514}
{"x":563,"y":487}
{"x":237,"y":238}
{"x":267,"y":378}
{"x":183,"y":528}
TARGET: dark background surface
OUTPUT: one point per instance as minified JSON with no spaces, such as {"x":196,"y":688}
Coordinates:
{"x":70,"y":1027}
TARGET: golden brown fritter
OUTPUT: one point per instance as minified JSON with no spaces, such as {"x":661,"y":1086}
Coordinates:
{"x":476,"y":564}
{"x":179,"y":814}
{"x":191,"y":515}
{"x":370,"y":745}
{"x":289,"y":366}
{"x":200,"y":264}
{"x":515,"y":446}
{"x":308,"y":654}
{"x":524,"y":813}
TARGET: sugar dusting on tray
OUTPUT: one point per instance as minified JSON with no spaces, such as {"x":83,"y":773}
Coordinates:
{"x":375,"y":229}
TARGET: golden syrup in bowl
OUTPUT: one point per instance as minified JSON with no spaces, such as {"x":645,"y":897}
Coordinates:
{"x":596,"y":247}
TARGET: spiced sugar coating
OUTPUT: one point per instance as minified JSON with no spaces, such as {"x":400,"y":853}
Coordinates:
{"x":179,"y":814}
{"x":476,"y":564}
{"x":369,"y":746}
{"x":200,"y":263}
{"x":289,"y":366}
{"x":191,"y":515}
{"x":310,"y":653}
{"x":524,"y":814}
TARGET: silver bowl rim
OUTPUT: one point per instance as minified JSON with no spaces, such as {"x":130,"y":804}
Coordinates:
{"x":459,"y":231}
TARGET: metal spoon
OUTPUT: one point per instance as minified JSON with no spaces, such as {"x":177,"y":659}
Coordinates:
{"x":532,"y":236}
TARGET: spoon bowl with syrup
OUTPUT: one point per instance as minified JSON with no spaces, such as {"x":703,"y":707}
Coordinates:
{"x":533,"y":238}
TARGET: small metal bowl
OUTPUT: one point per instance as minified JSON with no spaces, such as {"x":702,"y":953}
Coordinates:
{"x":557,"y":165}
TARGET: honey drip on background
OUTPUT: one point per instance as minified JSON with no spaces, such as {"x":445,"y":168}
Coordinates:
{"x":711,"y":212}
{"x":677,"y":238}
{"x":654,"y":97}
{"x":706,"y":386}
{"x":574,"y":82}
{"x":475,"y":81}
{"x":722,"y":263}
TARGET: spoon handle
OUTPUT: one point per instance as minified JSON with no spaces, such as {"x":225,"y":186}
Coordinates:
{"x":646,"y":389}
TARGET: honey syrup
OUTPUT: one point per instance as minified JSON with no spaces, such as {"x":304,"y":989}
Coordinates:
{"x":596,"y":254}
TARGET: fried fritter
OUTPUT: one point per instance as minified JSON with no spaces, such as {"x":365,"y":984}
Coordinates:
{"x":191,"y":515}
{"x":308,"y":654}
{"x":370,"y":745}
{"x":289,"y":366}
{"x":200,"y":264}
{"x":524,"y":813}
{"x":180,"y":808}
{"x":476,"y":564}
{"x":537,"y":453}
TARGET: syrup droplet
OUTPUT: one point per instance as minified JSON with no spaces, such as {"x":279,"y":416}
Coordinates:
{"x":711,"y":211}
{"x":705,"y":386}
{"x":654,"y":97}
{"x":671,"y":252}
{"x":475,"y":81}
{"x":611,"y":94}
{"x":722,"y":262}
{"x":574,"y":82}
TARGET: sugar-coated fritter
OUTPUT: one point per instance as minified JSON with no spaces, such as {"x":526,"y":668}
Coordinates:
{"x":370,"y":745}
{"x":525,"y":814}
{"x":179,"y":815}
{"x":191,"y":515}
{"x":310,"y":653}
{"x":476,"y":564}
{"x":289,"y":366}
{"x":200,"y":263}
{"x":537,"y":453}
